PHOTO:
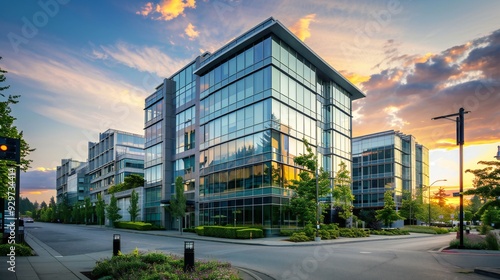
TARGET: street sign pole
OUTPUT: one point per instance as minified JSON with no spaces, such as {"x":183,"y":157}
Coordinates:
{"x":459,"y":120}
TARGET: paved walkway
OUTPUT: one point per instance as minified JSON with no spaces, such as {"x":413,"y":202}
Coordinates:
{"x":48,"y":264}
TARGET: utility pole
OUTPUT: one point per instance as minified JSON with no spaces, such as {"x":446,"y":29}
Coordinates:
{"x":459,"y":120}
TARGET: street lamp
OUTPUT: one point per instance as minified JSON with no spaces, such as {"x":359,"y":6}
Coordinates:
{"x":441,"y":180}
{"x":459,"y":122}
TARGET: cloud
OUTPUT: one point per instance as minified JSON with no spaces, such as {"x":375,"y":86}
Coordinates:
{"x":146,"y":9}
{"x":354,"y":77}
{"x":413,"y":89}
{"x":142,"y":58}
{"x":167,"y":9}
{"x":37,"y":181}
{"x":191,"y":32}
{"x":301,"y":27}
{"x":45,"y":169}
{"x":78,"y":93}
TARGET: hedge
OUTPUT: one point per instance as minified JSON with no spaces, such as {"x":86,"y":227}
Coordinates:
{"x":21,"y":249}
{"x":229,"y":232}
{"x":200,"y":230}
{"x":248,"y":233}
{"x":134,"y":225}
{"x":353,"y":232}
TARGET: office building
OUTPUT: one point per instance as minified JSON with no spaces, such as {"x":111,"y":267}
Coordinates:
{"x":231,"y":122}
{"x":116,"y":155}
{"x":66,"y":187}
{"x":387,"y":160}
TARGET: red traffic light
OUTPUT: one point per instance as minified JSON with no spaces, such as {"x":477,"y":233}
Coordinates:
{"x":10,"y":149}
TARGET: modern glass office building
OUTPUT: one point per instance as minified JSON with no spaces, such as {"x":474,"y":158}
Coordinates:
{"x":231,"y":122}
{"x":116,"y":155}
{"x":387,"y":160}
{"x":67,"y":188}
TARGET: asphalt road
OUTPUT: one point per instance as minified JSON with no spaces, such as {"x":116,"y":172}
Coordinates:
{"x":413,"y":258}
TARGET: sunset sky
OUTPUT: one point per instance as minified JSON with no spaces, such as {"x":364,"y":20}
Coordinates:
{"x":82,"y":67}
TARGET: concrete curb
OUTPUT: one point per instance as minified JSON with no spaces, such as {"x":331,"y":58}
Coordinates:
{"x":491,"y":272}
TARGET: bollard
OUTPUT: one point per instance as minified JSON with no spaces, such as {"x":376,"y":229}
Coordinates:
{"x":116,"y":244}
{"x":188,"y":256}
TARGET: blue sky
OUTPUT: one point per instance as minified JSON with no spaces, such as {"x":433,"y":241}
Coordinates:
{"x":82,"y":67}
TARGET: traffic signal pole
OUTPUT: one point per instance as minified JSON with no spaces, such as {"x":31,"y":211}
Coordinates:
{"x":459,"y":120}
{"x":10,"y":149}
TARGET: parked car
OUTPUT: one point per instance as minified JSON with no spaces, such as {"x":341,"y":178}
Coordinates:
{"x":28,"y":220}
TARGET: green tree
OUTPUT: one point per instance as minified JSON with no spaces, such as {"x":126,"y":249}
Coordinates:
{"x":89,"y":210}
{"x":25,"y":205}
{"x":486,"y":181}
{"x":132,"y":181}
{"x":411,"y":208}
{"x":311,"y":181}
{"x":54,"y":217}
{"x":133,"y":208}
{"x":112,"y":210}
{"x":491,"y":217}
{"x":369,"y":217}
{"x":388,"y":214}
{"x":342,"y":191}
{"x":473,"y":207}
{"x":100,"y":207}
{"x":8,"y":129}
{"x":178,"y":203}
{"x":64,"y":210}
{"x":440,"y":196}
{"x":76,"y":213}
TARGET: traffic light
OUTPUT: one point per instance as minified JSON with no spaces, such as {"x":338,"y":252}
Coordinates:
{"x":10,"y":149}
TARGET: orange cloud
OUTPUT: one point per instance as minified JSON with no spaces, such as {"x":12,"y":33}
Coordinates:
{"x":301,"y":27}
{"x":43,"y":169}
{"x":355,"y":78}
{"x":191,"y":32}
{"x":146,"y":10}
{"x":167,"y":9}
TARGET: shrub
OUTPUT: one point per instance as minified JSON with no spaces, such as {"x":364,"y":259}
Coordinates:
{"x":491,"y":241}
{"x":200,"y":230}
{"x":392,"y":231}
{"x":21,"y":249}
{"x":221,"y":231}
{"x":330,"y":226}
{"x":248,"y":233}
{"x":191,"y":229}
{"x":299,"y":237}
{"x":133,"y":225}
{"x":353,"y":232}
{"x":325,"y":234}
{"x":158,"y":266}
{"x":484,"y":229}
{"x":229,"y":232}
{"x":288,"y":232}
{"x":310,"y":231}
{"x":427,"y":229}
{"x":334,"y":233}
{"x":471,"y":241}
{"x":441,"y":230}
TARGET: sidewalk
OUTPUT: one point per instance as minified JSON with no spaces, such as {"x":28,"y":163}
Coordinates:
{"x":49,"y":264}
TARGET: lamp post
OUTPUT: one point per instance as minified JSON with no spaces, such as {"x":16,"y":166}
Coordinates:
{"x":441,"y":180}
{"x":459,"y":122}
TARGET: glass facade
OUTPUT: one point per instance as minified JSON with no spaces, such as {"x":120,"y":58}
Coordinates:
{"x":387,"y":160}
{"x":71,"y":182}
{"x":238,"y":120}
{"x":116,"y":155}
